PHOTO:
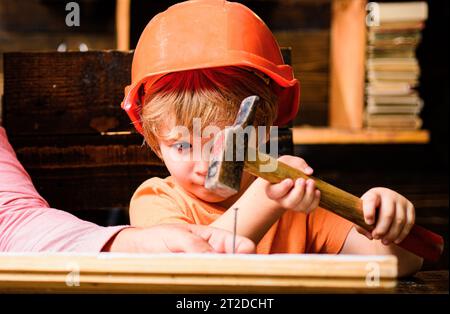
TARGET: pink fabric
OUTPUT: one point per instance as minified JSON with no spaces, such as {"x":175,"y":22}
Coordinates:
{"x":28,"y":224}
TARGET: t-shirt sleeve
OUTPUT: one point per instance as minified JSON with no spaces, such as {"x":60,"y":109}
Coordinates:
{"x":326,"y":232}
{"x":154,"y":203}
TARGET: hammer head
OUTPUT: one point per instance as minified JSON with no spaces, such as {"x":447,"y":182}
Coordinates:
{"x":229,"y":151}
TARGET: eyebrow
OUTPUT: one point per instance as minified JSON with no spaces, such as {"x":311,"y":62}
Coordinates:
{"x":169,"y":140}
{"x":171,"y":136}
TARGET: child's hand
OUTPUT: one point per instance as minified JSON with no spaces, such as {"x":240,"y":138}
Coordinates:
{"x":396,"y":215}
{"x":300,"y":195}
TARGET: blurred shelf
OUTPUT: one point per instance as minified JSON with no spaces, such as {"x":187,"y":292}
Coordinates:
{"x":310,"y":135}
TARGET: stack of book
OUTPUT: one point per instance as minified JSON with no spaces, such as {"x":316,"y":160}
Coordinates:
{"x":392,"y":70}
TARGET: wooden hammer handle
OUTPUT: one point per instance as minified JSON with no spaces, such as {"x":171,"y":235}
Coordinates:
{"x":419,"y":241}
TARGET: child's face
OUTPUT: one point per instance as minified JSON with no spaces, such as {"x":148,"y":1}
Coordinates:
{"x":189,"y":172}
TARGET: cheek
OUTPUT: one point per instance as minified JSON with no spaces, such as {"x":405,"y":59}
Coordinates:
{"x":180,"y":169}
{"x":177,"y":168}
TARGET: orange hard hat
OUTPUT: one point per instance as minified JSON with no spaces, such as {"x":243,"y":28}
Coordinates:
{"x":200,"y":34}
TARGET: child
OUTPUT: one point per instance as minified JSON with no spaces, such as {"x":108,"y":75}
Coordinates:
{"x":200,"y":59}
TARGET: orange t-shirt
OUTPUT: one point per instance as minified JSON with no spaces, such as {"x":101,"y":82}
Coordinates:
{"x":295,"y":232}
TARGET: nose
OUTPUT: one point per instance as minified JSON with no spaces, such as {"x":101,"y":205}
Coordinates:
{"x":201,"y":168}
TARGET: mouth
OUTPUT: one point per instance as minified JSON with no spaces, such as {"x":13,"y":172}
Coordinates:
{"x":199,"y":184}
{"x":199,"y":181}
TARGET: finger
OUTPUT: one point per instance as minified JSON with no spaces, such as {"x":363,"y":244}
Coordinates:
{"x":309,"y":194}
{"x":386,"y":215}
{"x":315,"y":202}
{"x":398,"y":223}
{"x":297,"y":162}
{"x":307,"y":169}
{"x":364,"y":232}
{"x":410,"y":219}
{"x":295,"y":196}
{"x":222,"y":241}
{"x":279,"y":190}
{"x":188,"y":241}
{"x":243,"y":246}
{"x":371,"y":201}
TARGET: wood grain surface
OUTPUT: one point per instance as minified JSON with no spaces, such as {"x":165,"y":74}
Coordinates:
{"x":177,"y":273}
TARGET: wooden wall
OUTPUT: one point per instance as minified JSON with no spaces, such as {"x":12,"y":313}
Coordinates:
{"x":39,"y":25}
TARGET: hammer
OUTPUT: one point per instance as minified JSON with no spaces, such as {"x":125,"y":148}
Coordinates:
{"x":231,"y":155}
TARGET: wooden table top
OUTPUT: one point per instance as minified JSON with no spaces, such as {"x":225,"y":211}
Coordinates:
{"x":429,"y":282}
{"x":211,"y":273}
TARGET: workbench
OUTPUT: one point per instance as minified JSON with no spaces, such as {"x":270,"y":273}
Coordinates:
{"x":210,"y":273}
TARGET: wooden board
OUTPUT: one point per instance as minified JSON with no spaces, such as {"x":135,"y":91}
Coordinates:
{"x":307,"y":135}
{"x":184,"y":273}
{"x":65,"y":93}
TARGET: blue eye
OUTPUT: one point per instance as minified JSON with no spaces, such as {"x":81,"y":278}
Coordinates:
{"x":182,"y":146}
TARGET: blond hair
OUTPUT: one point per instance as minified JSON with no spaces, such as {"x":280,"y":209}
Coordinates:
{"x":213,"y":95}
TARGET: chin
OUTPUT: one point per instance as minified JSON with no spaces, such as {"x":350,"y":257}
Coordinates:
{"x":213,"y":198}
{"x":208,"y":196}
